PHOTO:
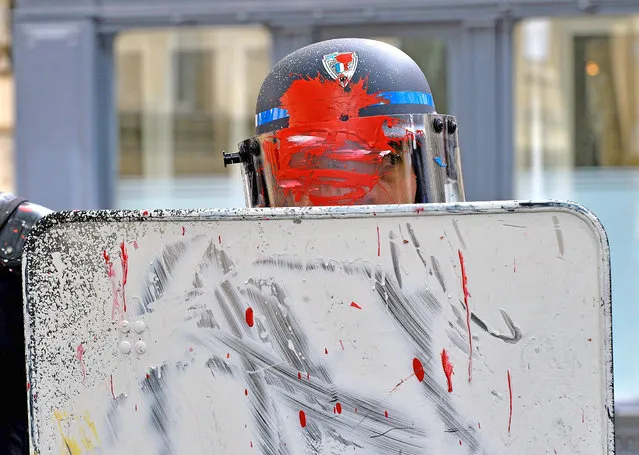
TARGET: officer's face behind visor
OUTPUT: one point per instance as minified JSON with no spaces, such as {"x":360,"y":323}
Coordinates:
{"x":397,"y":159}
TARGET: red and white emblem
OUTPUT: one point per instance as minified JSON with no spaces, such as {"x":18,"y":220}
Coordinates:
{"x":341,"y":66}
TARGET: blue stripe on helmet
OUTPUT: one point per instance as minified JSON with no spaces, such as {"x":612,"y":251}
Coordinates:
{"x":392,"y":97}
{"x":270,"y":116}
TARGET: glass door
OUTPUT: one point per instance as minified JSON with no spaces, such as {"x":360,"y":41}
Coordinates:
{"x":577,"y":138}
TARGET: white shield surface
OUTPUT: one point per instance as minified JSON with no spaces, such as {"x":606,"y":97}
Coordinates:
{"x":421,"y":329}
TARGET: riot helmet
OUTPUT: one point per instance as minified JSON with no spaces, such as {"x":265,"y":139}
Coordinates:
{"x":349,"y":122}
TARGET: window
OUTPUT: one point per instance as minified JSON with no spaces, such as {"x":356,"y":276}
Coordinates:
{"x":184,"y":96}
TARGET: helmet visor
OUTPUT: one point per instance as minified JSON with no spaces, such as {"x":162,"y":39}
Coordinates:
{"x":397,"y":159}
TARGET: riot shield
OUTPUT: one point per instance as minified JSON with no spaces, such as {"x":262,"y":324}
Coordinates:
{"x":470,"y":328}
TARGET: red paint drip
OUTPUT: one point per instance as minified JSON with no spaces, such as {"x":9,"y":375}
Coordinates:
{"x":79,"y":353}
{"x":355,"y":305}
{"x":246,"y":392}
{"x":418,"y":369}
{"x":325,"y":350}
{"x":341,"y":344}
{"x":479,"y":425}
{"x":460,"y":442}
{"x":302,"y":419}
{"x":28,"y":386}
{"x":308,"y":376}
{"x":228,"y":355}
{"x":401,"y":382}
{"x":219,"y":239}
{"x":386,"y":414}
{"x":124,"y":261}
{"x":183,"y":230}
{"x":299,"y":375}
{"x":379,"y":250}
{"x":112,"y":390}
{"x":338,"y":407}
{"x":249,"y":317}
{"x":448,"y":370}
{"x":466,"y":294}
{"x":510,"y":400}
{"x":114,"y":285}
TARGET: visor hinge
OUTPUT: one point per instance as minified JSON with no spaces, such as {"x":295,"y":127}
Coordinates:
{"x":232,"y":158}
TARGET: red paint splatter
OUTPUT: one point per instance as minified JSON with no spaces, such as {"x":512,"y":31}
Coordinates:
{"x":378,"y":243}
{"x":355,"y":305}
{"x":299,"y":375}
{"x":460,"y":442}
{"x":325,"y":350}
{"x":246,"y":392}
{"x":145,"y":213}
{"x":79,"y":353}
{"x":308,"y":376}
{"x":341,"y":344}
{"x":418,"y":369}
{"x":124,"y":261}
{"x":419,"y":209}
{"x":386,"y":414}
{"x":448,"y":369}
{"x":28,"y":386}
{"x":338,"y":407}
{"x":112,"y":390}
{"x":183,"y":230}
{"x":251,"y":443}
{"x":479,"y":425}
{"x":249,"y":317}
{"x":510,"y":401}
{"x":228,"y":355}
{"x":402,"y":381}
{"x":114,"y":285}
{"x":328,"y":115}
{"x":355,"y":409}
{"x":135,"y":244}
{"x":219,"y":239}
{"x":466,"y":295}
{"x":302,"y":419}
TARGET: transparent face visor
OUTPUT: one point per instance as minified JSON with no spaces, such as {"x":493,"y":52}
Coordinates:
{"x":399,"y":159}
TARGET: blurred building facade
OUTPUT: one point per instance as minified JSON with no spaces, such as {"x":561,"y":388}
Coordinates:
{"x":547,"y":95}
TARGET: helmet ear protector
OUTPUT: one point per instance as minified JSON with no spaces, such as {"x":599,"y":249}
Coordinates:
{"x":348,"y":122}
